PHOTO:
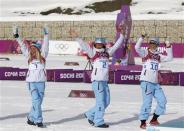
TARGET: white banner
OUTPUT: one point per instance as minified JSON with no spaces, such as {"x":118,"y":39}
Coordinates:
{"x":63,"y":47}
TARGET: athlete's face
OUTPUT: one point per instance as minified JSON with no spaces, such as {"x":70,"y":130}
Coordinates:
{"x":33,"y":50}
{"x":99,"y":45}
{"x":152,"y":46}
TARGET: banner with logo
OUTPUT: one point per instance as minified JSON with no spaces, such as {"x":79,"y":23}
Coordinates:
{"x":125,"y":77}
{"x":126,"y":67}
{"x":171,"y":78}
{"x":68,"y":75}
{"x":63,"y":47}
{"x":87,"y":76}
{"x":182,"y":79}
{"x":8,"y":73}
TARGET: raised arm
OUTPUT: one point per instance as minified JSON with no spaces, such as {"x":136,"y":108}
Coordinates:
{"x":116,"y":45}
{"x":45,"y":45}
{"x":169,"y":56}
{"x":123,"y":31}
{"x":138,"y":49}
{"x":83,"y":45}
{"x":22,"y":45}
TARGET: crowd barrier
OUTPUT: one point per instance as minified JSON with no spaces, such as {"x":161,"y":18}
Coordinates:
{"x":70,"y":75}
{"x":71,"y":47}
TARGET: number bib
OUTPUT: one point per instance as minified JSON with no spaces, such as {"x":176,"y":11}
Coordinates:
{"x":36,"y":66}
{"x":100,"y":67}
{"x":154,"y":66}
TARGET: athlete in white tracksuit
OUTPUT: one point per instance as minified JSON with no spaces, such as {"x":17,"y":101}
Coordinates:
{"x":149,"y":79}
{"x":36,"y":75}
{"x":99,"y":78}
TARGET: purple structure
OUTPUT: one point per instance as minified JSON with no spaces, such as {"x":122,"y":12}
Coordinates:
{"x":123,"y":17}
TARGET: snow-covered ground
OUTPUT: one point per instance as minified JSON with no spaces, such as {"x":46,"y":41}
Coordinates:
{"x":63,"y":113}
{"x":141,"y":9}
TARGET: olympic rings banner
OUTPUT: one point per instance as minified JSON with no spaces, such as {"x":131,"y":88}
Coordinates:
{"x":63,"y":47}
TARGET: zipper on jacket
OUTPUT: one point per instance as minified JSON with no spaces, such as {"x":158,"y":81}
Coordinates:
{"x":28,"y":73}
{"x":145,"y":72}
{"x":44,"y":72}
{"x":95,"y":70}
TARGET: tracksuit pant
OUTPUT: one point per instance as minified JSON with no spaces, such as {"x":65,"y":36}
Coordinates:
{"x":150,"y":91}
{"x":102,"y":94}
{"x":36,"y":90}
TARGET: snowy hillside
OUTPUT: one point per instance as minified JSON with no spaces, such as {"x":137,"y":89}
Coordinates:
{"x":85,"y":9}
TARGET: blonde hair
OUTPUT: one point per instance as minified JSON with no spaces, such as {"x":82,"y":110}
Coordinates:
{"x":37,"y":55}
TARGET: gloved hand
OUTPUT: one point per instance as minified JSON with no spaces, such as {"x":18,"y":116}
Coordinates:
{"x":45,"y":30}
{"x":143,"y":35}
{"x":15,"y":32}
{"x":167,"y":44}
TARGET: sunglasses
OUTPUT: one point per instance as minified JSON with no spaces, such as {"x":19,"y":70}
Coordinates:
{"x":99,"y":46}
{"x":153,"y":43}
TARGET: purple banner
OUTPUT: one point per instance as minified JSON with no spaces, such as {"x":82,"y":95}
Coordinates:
{"x":87,"y":76}
{"x":7,"y":73}
{"x":182,"y":79}
{"x":111,"y":76}
{"x":126,"y":68}
{"x":63,"y":75}
{"x":171,"y":78}
{"x":50,"y":74}
{"x":69,"y":75}
{"x":8,"y":46}
{"x":124,"y":77}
